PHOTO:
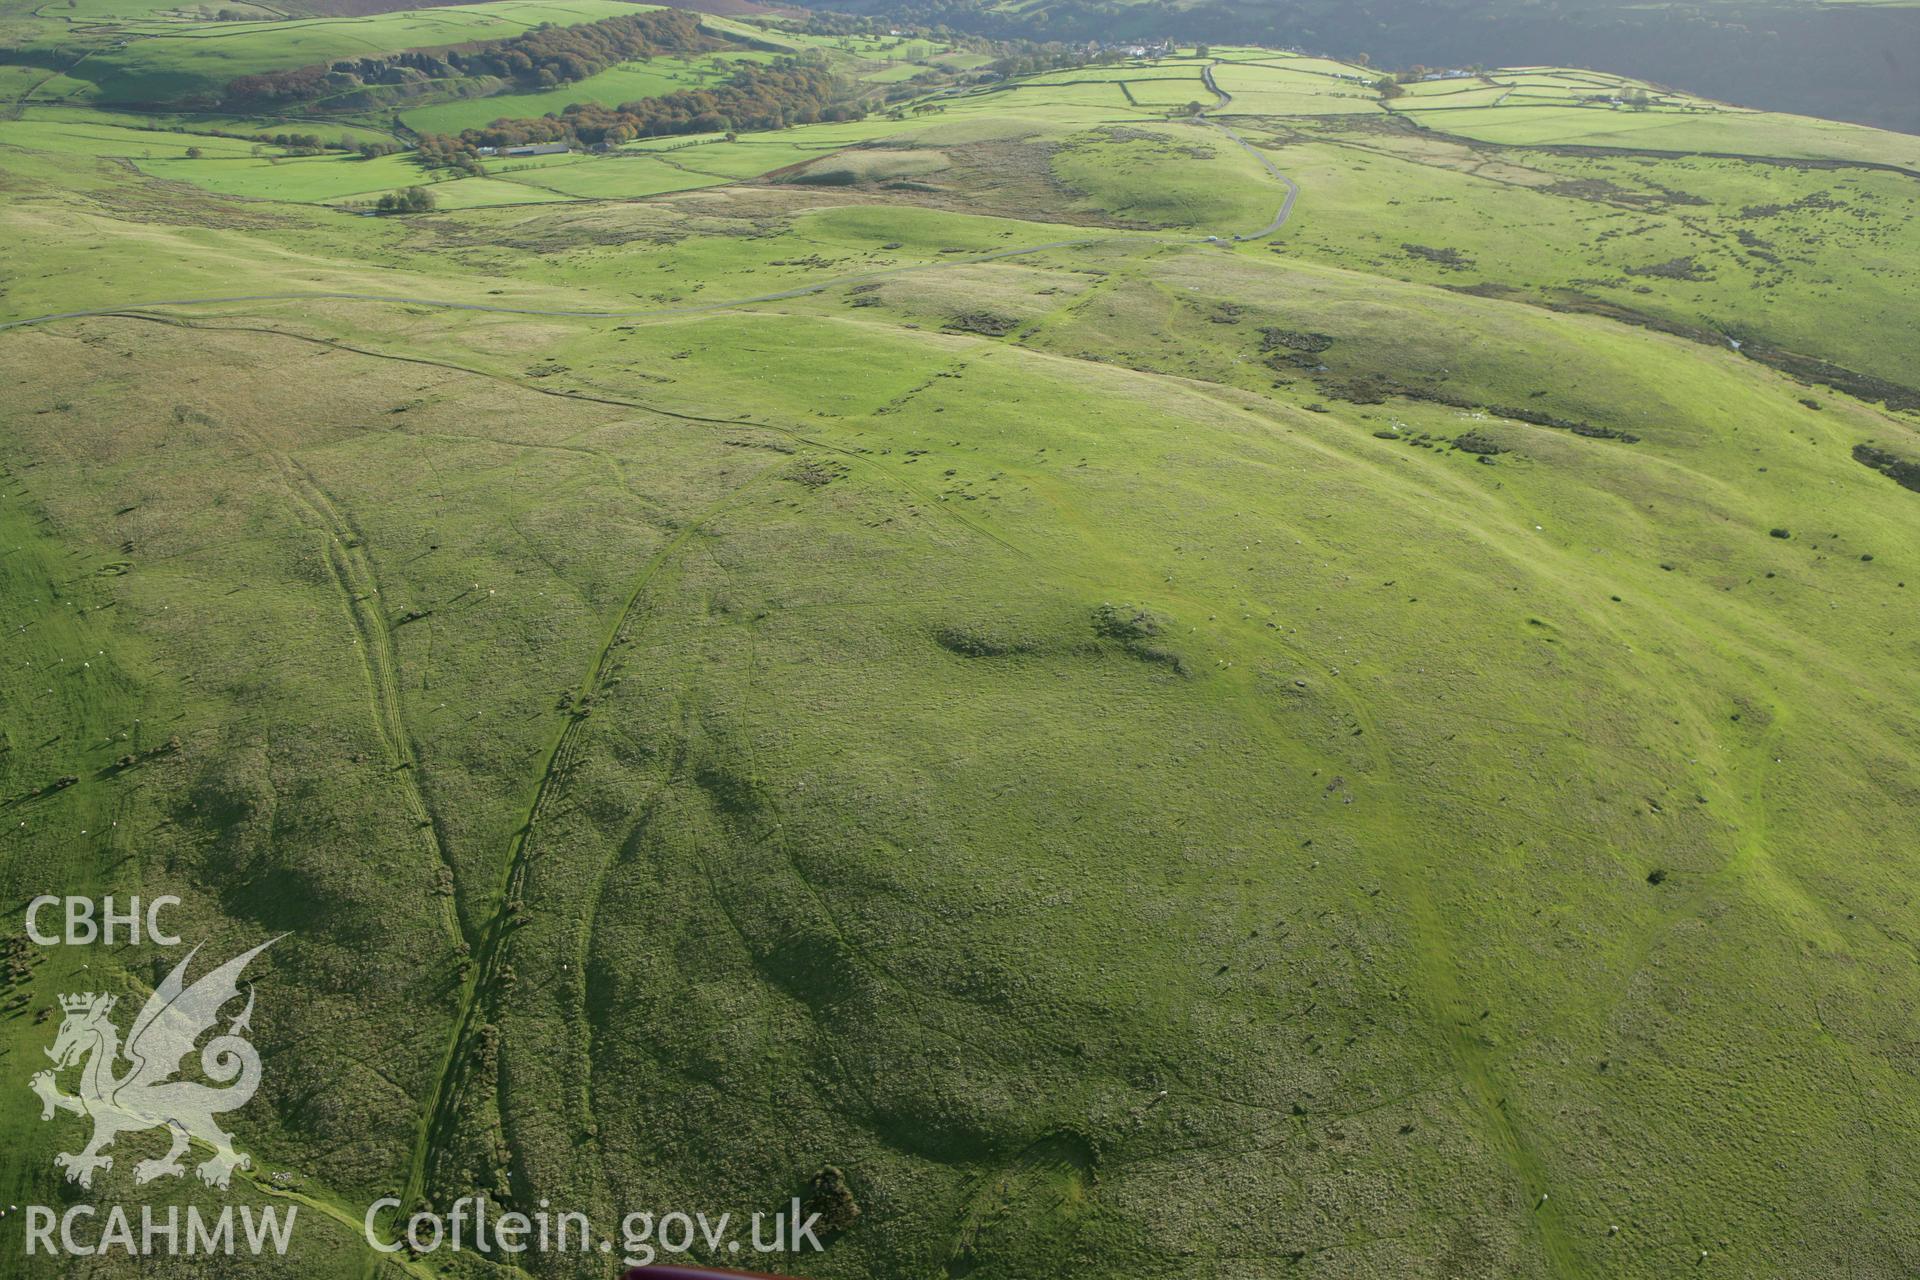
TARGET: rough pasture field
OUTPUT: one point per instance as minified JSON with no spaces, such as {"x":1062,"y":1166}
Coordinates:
{"x":1382,"y":748}
{"x":160,"y":62}
{"x":618,"y":84}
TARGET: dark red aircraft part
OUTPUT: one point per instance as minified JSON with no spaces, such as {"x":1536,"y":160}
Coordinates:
{"x":671,"y":1271}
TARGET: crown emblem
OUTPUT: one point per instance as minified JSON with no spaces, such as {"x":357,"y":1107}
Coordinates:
{"x":148,"y":1094}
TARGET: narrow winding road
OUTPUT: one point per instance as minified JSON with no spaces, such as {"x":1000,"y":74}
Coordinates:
{"x":1293,"y":188}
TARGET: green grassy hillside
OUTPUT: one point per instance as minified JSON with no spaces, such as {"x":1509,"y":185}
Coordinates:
{"x":160,"y":61}
{"x":951,"y":647}
{"x":1845,"y":59}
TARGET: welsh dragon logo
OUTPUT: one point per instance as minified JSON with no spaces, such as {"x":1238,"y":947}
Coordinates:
{"x":146,"y":1095}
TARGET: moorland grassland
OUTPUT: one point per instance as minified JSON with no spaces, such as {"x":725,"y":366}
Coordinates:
{"x":1381,"y":748}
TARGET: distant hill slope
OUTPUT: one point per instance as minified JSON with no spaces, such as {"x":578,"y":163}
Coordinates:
{"x":1847,"y":61}
{"x":1323,"y":688}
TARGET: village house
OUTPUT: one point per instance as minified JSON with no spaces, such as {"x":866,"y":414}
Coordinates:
{"x":526,"y":149}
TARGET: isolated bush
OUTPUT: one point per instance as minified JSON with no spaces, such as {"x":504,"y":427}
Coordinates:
{"x":408,"y":200}
{"x":986,"y":323}
{"x":1902,"y":471}
{"x":1125,"y":623}
{"x":1311,"y":343}
{"x":978,"y":642}
{"x":1160,"y":654}
{"x":833,"y":1199}
{"x":1133,"y":628}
